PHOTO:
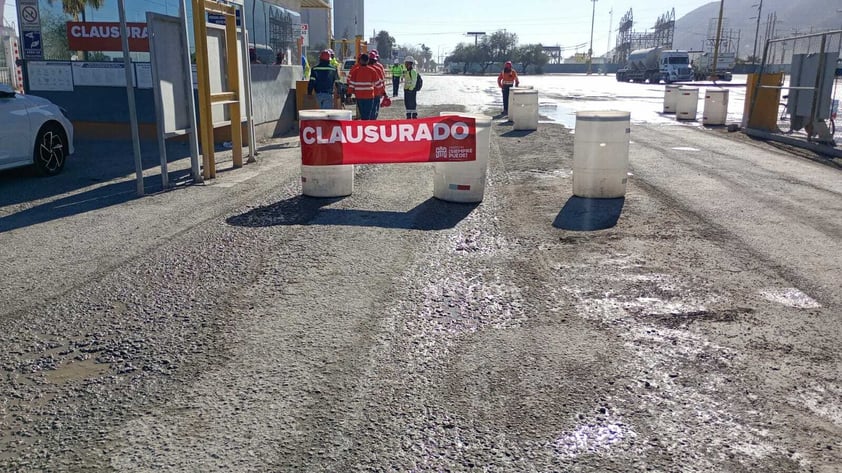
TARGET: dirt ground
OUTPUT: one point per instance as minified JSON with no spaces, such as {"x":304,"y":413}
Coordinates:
{"x":390,"y":331}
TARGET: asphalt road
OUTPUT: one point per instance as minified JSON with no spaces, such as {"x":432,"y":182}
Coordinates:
{"x":238,"y":326}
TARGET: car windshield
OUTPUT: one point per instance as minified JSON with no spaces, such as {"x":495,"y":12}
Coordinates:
{"x":349,"y":63}
{"x":678,"y":60}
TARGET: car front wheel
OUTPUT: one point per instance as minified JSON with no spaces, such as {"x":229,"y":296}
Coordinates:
{"x":50,"y":150}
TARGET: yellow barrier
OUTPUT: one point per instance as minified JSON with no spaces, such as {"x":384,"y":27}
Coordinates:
{"x":764,"y":115}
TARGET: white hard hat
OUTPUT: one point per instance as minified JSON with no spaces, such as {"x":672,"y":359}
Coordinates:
{"x":409,"y":59}
{"x":397,"y":61}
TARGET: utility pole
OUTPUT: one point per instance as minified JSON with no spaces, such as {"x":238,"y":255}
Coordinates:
{"x":714,"y":74}
{"x":756,"y":32}
{"x":590,"y":49}
{"x":610,"y":21}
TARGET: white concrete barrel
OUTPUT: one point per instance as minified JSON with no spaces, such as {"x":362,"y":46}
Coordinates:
{"x":670,"y":97}
{"x":687,"y":105}
{"x":716,"y":106}
{"x":511,"y":94}
{"x":465,"y":181}
{"x":327,"y":181}
{"x":524,"y":109}
{"x":601,"y":154}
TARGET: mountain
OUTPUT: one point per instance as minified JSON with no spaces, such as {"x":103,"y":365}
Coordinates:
{"x":691,"y":30}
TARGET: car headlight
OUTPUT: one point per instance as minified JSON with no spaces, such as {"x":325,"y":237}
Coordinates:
{"x":64,"y":112}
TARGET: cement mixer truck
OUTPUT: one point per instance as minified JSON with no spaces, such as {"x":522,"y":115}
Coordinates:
{"x":654,"y":65}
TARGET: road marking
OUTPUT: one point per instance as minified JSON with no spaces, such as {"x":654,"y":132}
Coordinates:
{"x":685,"y":148}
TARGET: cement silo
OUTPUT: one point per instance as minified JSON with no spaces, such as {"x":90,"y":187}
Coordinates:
{"x":348,"y":16}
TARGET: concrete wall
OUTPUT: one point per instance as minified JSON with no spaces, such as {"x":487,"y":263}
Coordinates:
{"x":273,"y":98}
{"x":103,"y":112}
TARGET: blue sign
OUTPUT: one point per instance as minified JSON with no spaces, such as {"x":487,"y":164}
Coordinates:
{"x":32,"y":46}
{"x":219,"y":19}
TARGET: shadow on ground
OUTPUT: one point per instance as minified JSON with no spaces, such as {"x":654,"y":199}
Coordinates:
{"x":100,"y":174}
{"x":432,"y":214}
{"x":584,"y":214}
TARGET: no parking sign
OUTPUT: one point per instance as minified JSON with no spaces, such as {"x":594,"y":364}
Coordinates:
{"x":29,"y":19}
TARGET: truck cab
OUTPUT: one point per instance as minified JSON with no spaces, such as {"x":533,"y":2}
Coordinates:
{"x":675,"y":66}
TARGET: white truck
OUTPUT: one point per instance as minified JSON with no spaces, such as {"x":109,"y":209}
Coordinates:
{"x":654,"y":65}
{"x":702,"y":63}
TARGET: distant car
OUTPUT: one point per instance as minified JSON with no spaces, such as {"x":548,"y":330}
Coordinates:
{"x":346,"y":68}
{"x":34,"y":132}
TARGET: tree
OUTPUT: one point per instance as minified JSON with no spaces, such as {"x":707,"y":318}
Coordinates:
{"x":500,"y":45}
{"x":54,"y":34}
{"x":426,"y":56}
{"x":530,"y":54}
{"x":76,"y":8}
{"x":385,"y":44}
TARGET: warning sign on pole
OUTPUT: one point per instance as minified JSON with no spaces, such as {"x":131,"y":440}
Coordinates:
{"x":305,"y":35}
{"x":29,"y":18}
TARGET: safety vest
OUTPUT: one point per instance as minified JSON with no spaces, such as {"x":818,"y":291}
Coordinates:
{"x":380,"y":87}
{"x":409,"y":78}
{"x":397,"y":70}
{"x":363,"y":82}
{"x":507,"y":78}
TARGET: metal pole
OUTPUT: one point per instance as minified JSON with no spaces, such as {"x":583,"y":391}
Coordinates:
{"x":715,"y":74}
{"x":590,"y":49}
{"x":756,"y":33}
{"x":127,"y":61}
{"x":193,"y":136}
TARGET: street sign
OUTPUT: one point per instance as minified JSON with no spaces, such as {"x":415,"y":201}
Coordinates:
{"x":305,"y":34}
{"x":29,"y":19}
{"x":32,"y":43}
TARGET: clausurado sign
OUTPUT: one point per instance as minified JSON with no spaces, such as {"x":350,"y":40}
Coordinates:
{"x":434,"y":139}
{"x":105,"y":36}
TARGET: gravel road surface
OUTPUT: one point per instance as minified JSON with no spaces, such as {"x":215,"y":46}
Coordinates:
{"x":237,"y":326}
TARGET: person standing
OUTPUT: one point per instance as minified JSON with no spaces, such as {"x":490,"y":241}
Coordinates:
{"x":410,"y":76}
{"x":380,"y":87}
{"x":362,"y":81}
{"x":507,"y":79}
{"x":397,"y":72}
{"x":322,"y":80}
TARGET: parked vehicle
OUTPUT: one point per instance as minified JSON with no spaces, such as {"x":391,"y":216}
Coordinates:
{"x":34,"y":132}
{"x":702,"y":63}
{"x":654,"y":65}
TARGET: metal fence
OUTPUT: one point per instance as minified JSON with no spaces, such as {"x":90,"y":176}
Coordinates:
{"x":808,"y":92}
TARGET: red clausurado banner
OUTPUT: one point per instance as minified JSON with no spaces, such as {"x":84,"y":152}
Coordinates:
{"x":105,"y":36}
{"x":435,"y":139}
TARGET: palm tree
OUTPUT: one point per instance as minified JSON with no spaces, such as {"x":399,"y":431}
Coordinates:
{"x":76,"y":8}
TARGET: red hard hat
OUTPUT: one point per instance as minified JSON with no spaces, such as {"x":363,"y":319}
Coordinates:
{"x":324,"y":55}
{"x":373,"y":55}
{"x":508,"y":63}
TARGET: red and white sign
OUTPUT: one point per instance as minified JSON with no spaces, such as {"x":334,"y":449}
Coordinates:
{"x":435,"y":139}
{"x":305,"y":34}
{"x":105,"y":36}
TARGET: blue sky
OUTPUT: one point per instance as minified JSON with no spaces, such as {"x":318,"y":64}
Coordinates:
{"x":441,"y":24}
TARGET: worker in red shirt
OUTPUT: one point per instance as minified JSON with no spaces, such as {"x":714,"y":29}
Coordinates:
{"x":380,"y":89}
{"x":507,"y":79}
{"x":363,"y":84}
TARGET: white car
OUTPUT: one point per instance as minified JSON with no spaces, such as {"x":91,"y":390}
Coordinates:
{"x":34,"y":132}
